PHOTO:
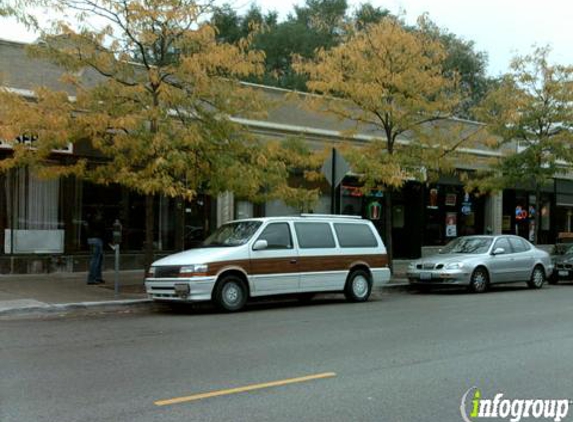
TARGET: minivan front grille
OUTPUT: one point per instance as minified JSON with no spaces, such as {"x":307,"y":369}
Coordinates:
{"x":167,"y":272}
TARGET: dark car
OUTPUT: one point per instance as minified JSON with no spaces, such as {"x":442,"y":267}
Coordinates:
{"x":562,"y":257}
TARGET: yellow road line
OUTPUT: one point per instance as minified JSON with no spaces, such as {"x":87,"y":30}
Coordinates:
{"x":244,"y":389}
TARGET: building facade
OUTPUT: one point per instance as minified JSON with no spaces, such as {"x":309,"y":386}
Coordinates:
{"x":42,"y":222}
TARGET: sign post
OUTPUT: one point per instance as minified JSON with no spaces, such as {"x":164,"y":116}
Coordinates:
{"x":334,"y":169}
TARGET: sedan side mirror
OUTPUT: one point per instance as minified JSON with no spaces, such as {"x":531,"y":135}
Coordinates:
{"x":498,"y":251}
{"x":260,"y":245}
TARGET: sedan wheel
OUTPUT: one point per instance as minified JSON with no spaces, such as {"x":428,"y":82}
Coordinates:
{"x":537,"y":278}
{"x":479,"y":281}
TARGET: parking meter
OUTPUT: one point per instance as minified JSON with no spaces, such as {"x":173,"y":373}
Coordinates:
{"x":116,"y":232}
{"x":116,"y":235}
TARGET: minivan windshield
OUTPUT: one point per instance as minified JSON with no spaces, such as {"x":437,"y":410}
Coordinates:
{"x":469,"y":245}
{"x":232,"y":234}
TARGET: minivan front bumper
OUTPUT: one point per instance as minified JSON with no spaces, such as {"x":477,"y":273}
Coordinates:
{"x":196,"y":289}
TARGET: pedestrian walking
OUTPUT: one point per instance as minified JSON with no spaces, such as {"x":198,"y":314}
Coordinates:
{"x":95,"y":234}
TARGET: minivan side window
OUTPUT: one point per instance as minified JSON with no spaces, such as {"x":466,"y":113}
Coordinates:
{"x":277,"y":236}
{"x":355,"y":236}
{"x":314,"y":235}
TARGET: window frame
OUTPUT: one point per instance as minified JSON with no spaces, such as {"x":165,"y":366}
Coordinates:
{"x":507,"y":251}
{"x":374,"y":245}
{"x":335,"y":244}
{"x":270,"y":248}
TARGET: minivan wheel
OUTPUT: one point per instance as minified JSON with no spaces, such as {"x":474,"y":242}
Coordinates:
{"x":537,"y":278}
{"x":479,"y":281}
{"x":230,"y":294}
{"x":358,"y":286}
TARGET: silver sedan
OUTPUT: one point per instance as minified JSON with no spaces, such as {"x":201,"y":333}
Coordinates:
{"x":479,"y":261}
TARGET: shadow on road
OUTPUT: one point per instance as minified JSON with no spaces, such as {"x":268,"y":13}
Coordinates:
{"x":255,"y":305}
{"x":456,"y":291}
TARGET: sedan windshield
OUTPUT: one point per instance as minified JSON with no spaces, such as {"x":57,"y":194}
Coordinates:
{"x":232,"y":234}
{"x":469,"y":245}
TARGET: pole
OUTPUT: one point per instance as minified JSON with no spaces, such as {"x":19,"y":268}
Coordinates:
{"x":15,"y":210}
{"x":116,"y":284}
{"x":332,"y":185}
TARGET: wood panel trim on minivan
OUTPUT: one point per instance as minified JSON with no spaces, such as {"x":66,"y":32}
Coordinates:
{"x":302,"y":264}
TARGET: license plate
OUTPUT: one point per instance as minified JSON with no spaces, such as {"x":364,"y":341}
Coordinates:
{"x":425,"y":276}
{"x":564,"y":273}
{"x":182,"y":290}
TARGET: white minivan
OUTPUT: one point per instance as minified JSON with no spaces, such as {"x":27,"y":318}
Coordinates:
{"x":275,"y":256}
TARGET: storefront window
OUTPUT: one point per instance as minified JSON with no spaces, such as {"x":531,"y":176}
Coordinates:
{"x":33,"y":215}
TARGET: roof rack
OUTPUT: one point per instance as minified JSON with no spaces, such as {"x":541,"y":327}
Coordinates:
{"x":357,"y":217}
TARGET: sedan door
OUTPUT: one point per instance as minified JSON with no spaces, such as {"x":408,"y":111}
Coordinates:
{"x":523,"y":258}
{"x":274,"y":270}
{"x":502,"y":266}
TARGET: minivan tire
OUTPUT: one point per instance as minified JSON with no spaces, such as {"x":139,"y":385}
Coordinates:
{"x":230,"y":294}
{"x":358,"y":286}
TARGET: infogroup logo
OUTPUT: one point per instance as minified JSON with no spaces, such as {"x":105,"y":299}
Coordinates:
{"x":514,"y":410}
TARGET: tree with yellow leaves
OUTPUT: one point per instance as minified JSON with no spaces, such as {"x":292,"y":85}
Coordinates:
{"x":151,"y":92}
{"x":530,"y":110}
{"x":391,"y":82}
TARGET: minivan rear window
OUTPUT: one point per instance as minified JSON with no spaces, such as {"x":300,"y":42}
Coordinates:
{"x":355,"y":236}
{"x":314,"y":235}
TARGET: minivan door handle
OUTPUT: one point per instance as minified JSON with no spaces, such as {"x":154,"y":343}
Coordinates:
{"x":293,"y":261}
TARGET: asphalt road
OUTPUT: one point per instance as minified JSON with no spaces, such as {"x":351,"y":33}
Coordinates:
{"x":399,"y":357}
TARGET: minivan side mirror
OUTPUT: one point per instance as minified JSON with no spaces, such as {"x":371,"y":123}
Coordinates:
{"x":260,"y":245}
{"x":498,"y":251}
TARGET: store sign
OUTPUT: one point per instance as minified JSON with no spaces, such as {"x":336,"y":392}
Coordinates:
{"x":466,"y":205}
{"x":354,"y":191}
{"x":31,"y":141}
{"x":520,"y":213}
{"x":374,"y":210}
{"x":433,"y":200}
{"x":451,"y":199}
{"x":451,"y":224}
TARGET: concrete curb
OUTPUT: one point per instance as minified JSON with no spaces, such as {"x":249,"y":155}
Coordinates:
{"x":48,"y":309}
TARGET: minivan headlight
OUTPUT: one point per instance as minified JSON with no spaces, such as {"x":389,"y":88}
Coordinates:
{"x":150,"y":272}
{"x":454,"y":266}
{"x":193,"y":270}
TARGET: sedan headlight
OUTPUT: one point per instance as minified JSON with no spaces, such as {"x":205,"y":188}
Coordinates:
{"x":193,"y":270}
{"x":412,"y":265}
{"x":454,"y":266}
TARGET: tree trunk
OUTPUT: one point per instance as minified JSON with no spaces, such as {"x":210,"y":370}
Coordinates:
{"x":149,"y":232}
{"x":537,"y":218}
{"x":179,"y":224}
{"x":388,"y":226}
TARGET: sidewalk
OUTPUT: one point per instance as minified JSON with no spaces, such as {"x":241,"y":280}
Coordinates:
{"x":64,"y":292}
